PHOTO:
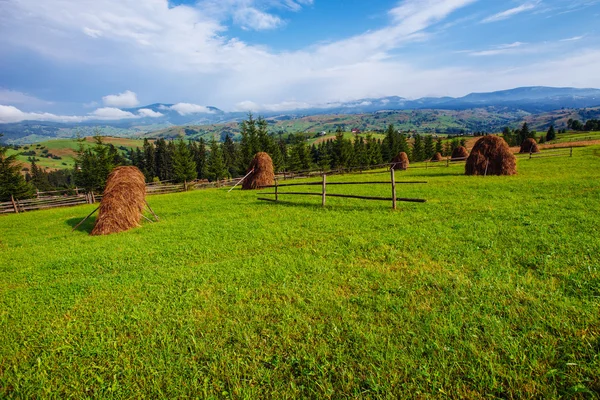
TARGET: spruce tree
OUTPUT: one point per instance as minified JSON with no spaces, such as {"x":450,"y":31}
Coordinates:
{"x":551,"y":134}
{"x":439,"y":146}
{"x":230,"y":156}
{"x":216,"y":164}
{"x":11,"y":180}
{"x":418,"y":153}
{"x":428,"y":147}
{"x":39,"y":178}
{"x":184,"y":167}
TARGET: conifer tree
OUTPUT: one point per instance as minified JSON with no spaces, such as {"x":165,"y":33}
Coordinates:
{"x":216,"y":164}
{"x":230,"y":156}
{"x":428,"y":147}
{"x":184,"y":167}
{"x":418,"y":150}
{"x":551,"y":134}
{"x":11,"y":180}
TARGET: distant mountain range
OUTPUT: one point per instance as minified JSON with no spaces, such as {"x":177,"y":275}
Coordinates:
{"x":501,"y":107}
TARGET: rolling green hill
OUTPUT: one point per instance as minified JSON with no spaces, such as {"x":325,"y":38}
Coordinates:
{"x":65,"y":149}
{"x":490,"y":289}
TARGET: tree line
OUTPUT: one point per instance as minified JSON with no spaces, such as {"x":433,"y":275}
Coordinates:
{"x":186,"y":160}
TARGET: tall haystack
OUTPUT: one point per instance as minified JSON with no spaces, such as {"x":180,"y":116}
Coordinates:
{"x":263,"y":174}
{"x":437,"y":157}
{"x":122,"y":201}
{"x":529,"y":145}
{"x":400,"y":162}
{"x":459,"y":153}
{"x":491,"y":156}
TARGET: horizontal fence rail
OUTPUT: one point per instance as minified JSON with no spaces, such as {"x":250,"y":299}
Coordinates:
{"x":394,"y":199}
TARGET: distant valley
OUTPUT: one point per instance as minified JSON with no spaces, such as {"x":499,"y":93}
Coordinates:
{"x":476,"y":112}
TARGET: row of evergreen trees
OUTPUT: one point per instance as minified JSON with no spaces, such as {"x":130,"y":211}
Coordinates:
{"x":181,"y":160}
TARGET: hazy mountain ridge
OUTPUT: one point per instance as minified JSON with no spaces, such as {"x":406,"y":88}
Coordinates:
{"x":486,"y":111}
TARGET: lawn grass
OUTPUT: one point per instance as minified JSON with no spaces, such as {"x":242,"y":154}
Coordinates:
{"x":491,"y":288}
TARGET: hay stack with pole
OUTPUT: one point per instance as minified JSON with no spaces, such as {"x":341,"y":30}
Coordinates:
{"x":400,"y":162}
{"x":529,"y":145}
{"x":260,"y":172}
{"x":122,"y":202}
{"x":491,"y":156}
{"x":459,"y":153}
{"x":437,"y":157}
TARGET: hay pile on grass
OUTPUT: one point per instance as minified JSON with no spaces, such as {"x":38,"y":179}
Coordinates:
{"x":263,"y":174}
{"x":491,"y":156}
{"x":459,"y":153}
{"x":529,"y":145}
{"x":122,"y":201}
{"x":437,"y":157}
{"x":400,"y":162}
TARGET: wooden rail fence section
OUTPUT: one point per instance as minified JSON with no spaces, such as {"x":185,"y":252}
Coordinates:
{"x":392,"y":182}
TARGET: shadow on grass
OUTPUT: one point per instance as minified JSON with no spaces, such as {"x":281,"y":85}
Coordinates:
{"x":86,"y":227}
{"x":357,"y":205}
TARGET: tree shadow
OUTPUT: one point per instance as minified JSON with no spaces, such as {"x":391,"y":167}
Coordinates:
{"x":86,"y":227}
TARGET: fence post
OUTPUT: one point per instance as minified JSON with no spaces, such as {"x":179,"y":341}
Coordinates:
{"x":324,"y":190}
{"x":185,"y":185}
{"x":37,"y":194}
{"x":530,"y":152}
{"x":14,"y":204}
{"x":76,"y":190}
{"x":93,"y":198}
{"x":276,"y":191}
{"x":393,"y":188}
{"x":571,"y":154}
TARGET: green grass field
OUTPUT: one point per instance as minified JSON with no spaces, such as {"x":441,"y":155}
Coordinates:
{"x":490,"y":289}
{"x":66,"y":148}
{"x":575,"y":137}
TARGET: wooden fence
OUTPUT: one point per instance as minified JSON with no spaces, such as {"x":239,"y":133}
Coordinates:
{"x":323,"y":194}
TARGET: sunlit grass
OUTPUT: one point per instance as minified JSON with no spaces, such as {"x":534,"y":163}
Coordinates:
{"x":492,"y":287}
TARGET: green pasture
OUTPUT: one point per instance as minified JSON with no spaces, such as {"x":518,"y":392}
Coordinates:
{"x":575,"y":137}
{"x":66,"y":148}
{"x":490,"y":289}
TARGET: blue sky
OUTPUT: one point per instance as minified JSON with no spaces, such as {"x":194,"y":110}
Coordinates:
{"x":65,"y":60}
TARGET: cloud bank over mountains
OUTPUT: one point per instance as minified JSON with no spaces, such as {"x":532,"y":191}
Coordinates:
{"x":238,"y":54}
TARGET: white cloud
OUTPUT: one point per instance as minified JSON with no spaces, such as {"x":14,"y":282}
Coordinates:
{"x":110,"y":113}
{"x":511,"y":12}
{"x":251,"y":18}
{"x":185,"y":52}
{"x":500,"y":49}
{"x":573,"y":39}
{"x":187,"y":108}
{"x":146,"y":112}
{"x":125,"y":99}
{"x":14,"y":97}
{"x":92,"y":32}
{"x":11,"y":114}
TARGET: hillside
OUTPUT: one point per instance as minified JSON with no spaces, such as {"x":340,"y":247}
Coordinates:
{"x":473,"y":112}
{"x":64,"y":151}
{"x":491,"y":288}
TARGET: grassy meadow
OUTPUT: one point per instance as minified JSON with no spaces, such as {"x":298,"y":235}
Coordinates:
{"x":490,"y":289}
{"x":66,"y":149}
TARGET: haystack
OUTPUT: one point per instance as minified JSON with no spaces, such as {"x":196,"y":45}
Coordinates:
{"x":122,"y":201}
{"x":437,"y":157}
{"x":491,"y":156}
{"x":529,"y":145}
{"x":400,"y":162}
{"x":459,"y":153}
{"x":262,"y":175}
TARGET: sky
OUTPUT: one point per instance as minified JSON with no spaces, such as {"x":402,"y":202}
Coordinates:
{"x":78,"y":60}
